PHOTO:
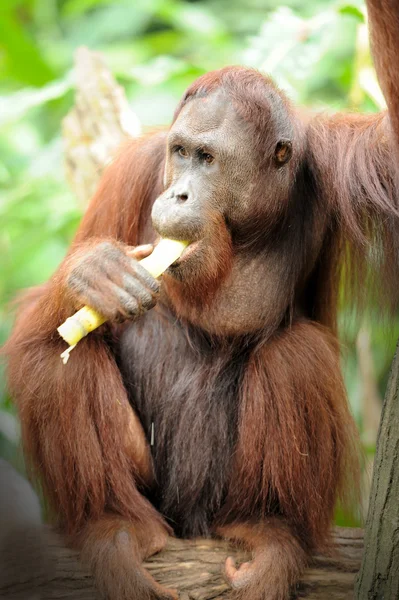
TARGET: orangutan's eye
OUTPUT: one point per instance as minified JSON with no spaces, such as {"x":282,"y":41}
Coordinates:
{"x":282,"y":152}
{"x":181,"y":151}
{"x":206,"y":157}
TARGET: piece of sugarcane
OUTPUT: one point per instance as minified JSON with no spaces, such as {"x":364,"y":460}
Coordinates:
{"x":87,"y":319}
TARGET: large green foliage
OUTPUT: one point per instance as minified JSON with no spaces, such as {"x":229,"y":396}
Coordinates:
{"x":315,"y":50}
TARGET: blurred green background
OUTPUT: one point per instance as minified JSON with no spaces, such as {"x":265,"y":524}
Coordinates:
{"x":316,"y":50}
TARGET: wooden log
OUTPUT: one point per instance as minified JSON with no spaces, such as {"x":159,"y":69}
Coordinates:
{"x":40,"y":567}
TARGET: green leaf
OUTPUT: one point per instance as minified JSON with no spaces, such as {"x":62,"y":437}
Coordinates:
{"x":15,"y":106}
{"x":353,"y":10}
{"x":22,"y":59}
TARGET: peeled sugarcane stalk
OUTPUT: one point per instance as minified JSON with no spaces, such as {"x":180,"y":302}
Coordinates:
{"x":87,"y":319}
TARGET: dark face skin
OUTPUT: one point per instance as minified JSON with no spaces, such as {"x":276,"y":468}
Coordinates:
{"x":211,"y":178}
{"x":208,"y":172}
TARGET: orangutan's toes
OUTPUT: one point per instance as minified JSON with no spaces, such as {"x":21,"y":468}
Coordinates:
{"x":238,"y":578}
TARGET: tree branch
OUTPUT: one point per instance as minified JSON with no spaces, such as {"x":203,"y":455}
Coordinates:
{"x":40,"y":567}
{"x":97,"y":125}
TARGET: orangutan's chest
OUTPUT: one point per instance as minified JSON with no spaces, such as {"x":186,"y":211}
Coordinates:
{"x":188,"y":405}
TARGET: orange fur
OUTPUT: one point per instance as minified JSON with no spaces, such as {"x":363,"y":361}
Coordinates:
{"x":297,"y":439}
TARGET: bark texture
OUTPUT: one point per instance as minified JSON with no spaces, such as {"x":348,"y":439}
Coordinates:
{"x":379,"y":575}
{"x":39,"y":567}
{"x":96,"y":126}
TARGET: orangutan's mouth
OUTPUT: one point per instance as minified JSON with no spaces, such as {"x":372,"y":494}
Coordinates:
{"x":187,"y":253}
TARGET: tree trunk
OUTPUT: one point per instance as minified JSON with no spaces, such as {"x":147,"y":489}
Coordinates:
{"x":97,"y":125}
{"x":379,"y":574}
